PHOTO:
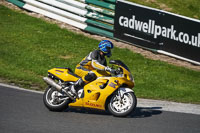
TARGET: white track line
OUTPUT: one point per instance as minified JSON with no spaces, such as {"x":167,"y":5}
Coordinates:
{"x":18,"y":88}
{"x":145,"y":103}
{"x":169,"y":106}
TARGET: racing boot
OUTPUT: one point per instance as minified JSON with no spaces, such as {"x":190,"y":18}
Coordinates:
{"x":73,"y":89}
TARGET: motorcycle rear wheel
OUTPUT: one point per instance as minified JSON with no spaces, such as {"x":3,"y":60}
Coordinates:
{"x":54,"y":100}
{"x":124,"y":107}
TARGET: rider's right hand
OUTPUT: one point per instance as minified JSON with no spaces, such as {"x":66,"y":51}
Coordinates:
{"x":108,"y":69}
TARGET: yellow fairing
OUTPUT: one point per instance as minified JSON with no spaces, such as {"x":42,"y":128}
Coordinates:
{"x":96,"y":93}
{"x":63,"y":74}
{"x":100,"y":73}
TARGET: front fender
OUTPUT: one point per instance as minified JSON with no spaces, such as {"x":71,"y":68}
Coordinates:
{"x":125,"y":90}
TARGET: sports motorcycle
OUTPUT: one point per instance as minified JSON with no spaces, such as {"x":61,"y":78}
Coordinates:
{"x":109,"y":92}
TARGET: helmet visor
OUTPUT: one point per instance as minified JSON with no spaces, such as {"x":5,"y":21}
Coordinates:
{"x":108,"y":52}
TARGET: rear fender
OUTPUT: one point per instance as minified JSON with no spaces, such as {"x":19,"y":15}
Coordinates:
{"x":64,"y":74}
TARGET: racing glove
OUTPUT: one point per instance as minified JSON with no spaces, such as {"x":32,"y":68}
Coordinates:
{"x":108,"y":69}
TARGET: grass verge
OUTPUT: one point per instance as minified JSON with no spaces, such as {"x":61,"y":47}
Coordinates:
{"x":30,"y":46}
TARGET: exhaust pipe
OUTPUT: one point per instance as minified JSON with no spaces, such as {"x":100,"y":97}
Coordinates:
{"x":49,"y":81}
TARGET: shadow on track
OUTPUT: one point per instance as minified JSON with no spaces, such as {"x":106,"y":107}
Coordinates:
{"x":140,"y":112}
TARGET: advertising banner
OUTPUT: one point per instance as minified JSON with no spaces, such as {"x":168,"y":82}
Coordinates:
{"x":156,"y":29}
{"x":180,"y":36}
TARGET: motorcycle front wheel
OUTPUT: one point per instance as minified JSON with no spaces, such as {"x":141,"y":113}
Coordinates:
{"x":123,"y":107}
{"x":55,"y":100}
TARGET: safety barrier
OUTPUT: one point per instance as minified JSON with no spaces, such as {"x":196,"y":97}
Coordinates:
{"x":90,"y":15}
{"x":145,"y":27}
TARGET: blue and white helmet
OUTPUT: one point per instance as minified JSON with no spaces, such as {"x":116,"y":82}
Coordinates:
{"x":105,"y":46}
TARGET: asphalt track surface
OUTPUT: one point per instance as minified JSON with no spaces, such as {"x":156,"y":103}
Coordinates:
{"x":24,"y":112}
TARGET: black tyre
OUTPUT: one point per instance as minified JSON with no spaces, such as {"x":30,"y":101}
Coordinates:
{"x":124,"y":107}
{"x":54,"y":100}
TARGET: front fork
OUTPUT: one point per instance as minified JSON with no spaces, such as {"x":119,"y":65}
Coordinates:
{"x":122,"y":91}
{"x":119,"y":95}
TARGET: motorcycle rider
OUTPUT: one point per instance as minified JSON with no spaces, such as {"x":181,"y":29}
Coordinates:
{"x":95,"y":60}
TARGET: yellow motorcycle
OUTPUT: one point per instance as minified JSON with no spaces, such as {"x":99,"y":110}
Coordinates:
{"x":108,"y":92}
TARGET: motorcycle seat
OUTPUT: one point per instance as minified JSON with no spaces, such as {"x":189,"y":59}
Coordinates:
{"x":70,"y":71}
